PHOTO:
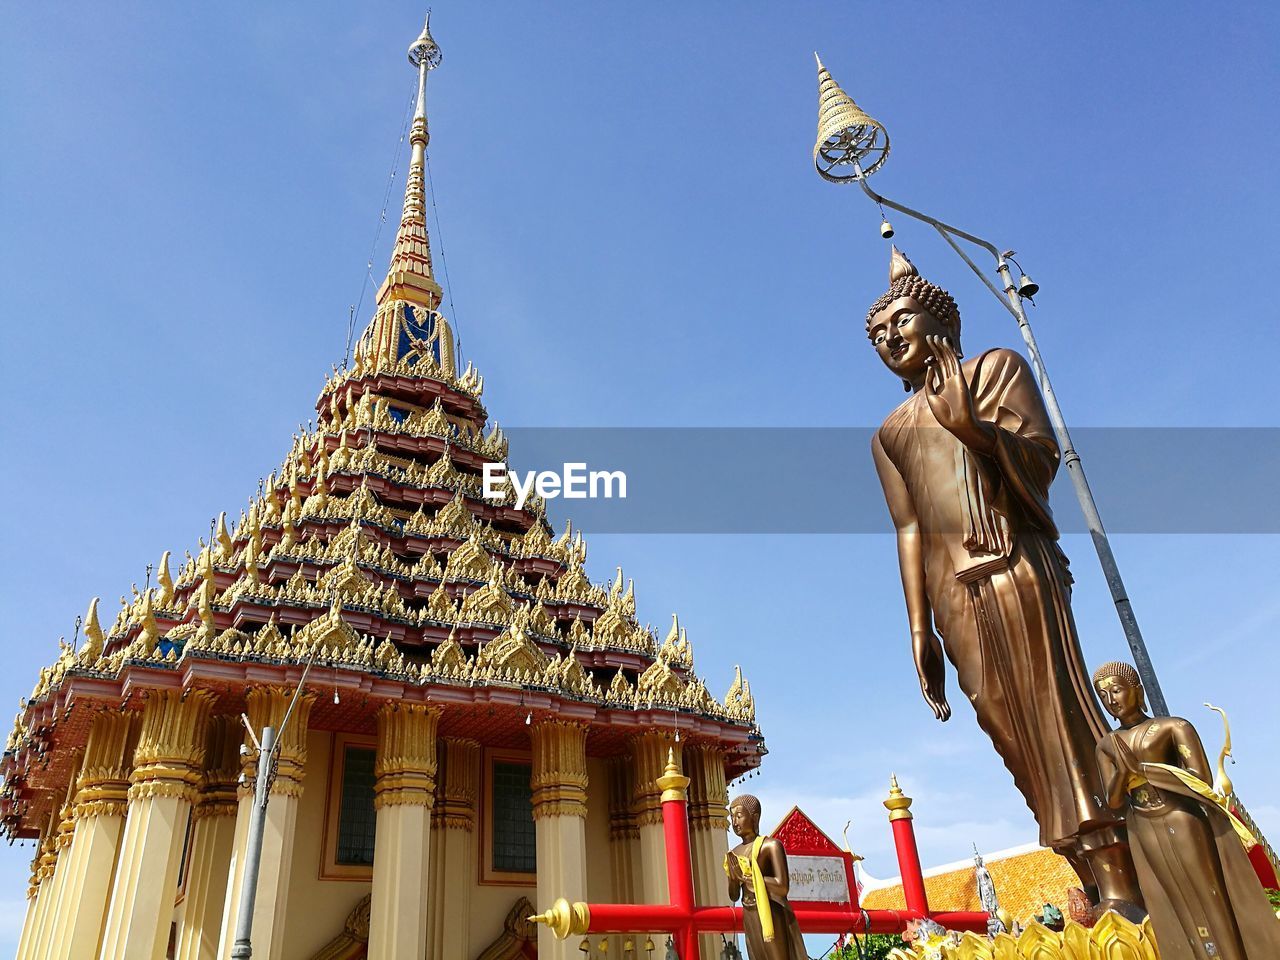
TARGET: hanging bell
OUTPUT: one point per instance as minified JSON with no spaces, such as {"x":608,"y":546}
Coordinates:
{"x":671,"y":950}
{"x":1027,"y":287}
{"x":886,"y":229}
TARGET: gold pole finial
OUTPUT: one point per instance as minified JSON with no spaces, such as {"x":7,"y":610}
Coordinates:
{"x":898,"y":804}
{"x":673,"y":784}
{"x":565,"y":919}
{"x":850,"y":144}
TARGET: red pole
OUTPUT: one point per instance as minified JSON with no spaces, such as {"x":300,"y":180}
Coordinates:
{"x":675,"y":832}
{"x":904,"y":842}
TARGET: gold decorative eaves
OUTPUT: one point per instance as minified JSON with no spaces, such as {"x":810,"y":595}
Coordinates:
{"x":739,"y":704}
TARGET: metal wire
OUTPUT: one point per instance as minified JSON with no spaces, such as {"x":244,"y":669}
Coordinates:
{"x":377,"y":233}
{"x":444,"y":260}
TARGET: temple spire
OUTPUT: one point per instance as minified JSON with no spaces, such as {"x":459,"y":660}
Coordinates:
{"x":409,"y":277}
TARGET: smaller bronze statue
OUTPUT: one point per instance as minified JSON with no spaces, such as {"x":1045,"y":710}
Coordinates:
{"x":757,"y":871}
{"x":1204,"y":899}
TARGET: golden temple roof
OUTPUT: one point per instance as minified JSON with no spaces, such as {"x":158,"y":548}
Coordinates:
{"x":371,"y":549}
{"x":1025,"y":877}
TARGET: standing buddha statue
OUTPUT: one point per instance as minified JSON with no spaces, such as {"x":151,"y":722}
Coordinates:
{"x":1203,"y":896}
{"x":757,"y":871}
{"x":966,"y":462}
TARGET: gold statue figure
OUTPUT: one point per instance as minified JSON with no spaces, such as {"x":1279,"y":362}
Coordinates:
{"x":1203,"y":896}
{"x":965,"y":463}
{"x":757,"y":871}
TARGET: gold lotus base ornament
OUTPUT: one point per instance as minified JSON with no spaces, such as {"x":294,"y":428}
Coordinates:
{"x":1111,"y":938}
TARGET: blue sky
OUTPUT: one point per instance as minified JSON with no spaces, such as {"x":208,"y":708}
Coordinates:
{"x":635,"y":236}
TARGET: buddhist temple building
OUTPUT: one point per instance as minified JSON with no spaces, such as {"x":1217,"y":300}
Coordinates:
{"x":481,"y":728}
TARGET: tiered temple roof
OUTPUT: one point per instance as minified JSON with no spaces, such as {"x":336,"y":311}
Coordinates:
{"x":371,"y":551}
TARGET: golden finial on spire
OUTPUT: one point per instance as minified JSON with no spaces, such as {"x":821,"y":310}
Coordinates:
{"x":850,"y":144}
{"x":409,"y":277}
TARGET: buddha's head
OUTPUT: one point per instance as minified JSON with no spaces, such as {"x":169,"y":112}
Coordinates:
{"x":744,"y":816}
{"x":913,"y":309}
{"x":1120,"y":689}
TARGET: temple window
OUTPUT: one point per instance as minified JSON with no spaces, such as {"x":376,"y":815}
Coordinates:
{"x":350,"y":818}
{"x":356,"y":817}
{"x":509,"y":854}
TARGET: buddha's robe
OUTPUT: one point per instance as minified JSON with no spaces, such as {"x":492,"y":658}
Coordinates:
{"x":1205,"y":901}
{"x":999,"y":589}
{"x":778,"y":937}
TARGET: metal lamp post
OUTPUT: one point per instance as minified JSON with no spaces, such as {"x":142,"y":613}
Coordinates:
{"x":850,"y":147}
{"x":268,"y":763}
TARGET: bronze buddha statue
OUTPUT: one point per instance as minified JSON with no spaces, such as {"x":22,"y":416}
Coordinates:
{"x":966,"y":462}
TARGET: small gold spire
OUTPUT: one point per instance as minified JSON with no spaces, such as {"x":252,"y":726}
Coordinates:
{"x":409,"y":277}
{"x":898,"y":804}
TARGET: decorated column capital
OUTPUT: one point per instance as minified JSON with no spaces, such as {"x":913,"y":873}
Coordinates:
{"x":405,"y":767}
{"x":102,"y":788}
{"x":559,"y":778}
{"x":457,"y":785}
{"x":266,"y":707}
{"x":169,"y":758}
{"x":708,"y":792}
{"x":649,"y":761}
{"x":222,"y":768}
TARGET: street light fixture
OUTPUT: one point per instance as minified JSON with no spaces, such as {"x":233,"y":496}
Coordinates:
{"x":850,"y":147}
{"x":268,"y":762}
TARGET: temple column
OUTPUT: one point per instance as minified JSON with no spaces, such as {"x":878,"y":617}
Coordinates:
{"x":404,"y":793}
{"x":453,"y":857}
{"x":168,"y":763}
{"x":559,"y":784}
{"x":649,"y":760}
{"x":266,"y":707}
{"x":624,"y":837}
{"x":40,"y":891}
{"x":213,"y":832}
{"x":98,"y":811}
{"x":708,"y":830}
{"x":29,"y":918}
{"x":59,"y":909}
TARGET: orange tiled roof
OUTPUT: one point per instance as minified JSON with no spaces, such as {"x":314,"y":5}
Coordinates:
{"x":1024,"y":879}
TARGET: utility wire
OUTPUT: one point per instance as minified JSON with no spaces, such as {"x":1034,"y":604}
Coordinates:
{"x":382,"y":222}
{"x":444,"y":261}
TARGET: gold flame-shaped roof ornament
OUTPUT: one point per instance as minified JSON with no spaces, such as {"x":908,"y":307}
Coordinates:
{"x":850,"y":144}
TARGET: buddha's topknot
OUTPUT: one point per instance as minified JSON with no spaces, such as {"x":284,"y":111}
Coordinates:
{"x":905,"y":281}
